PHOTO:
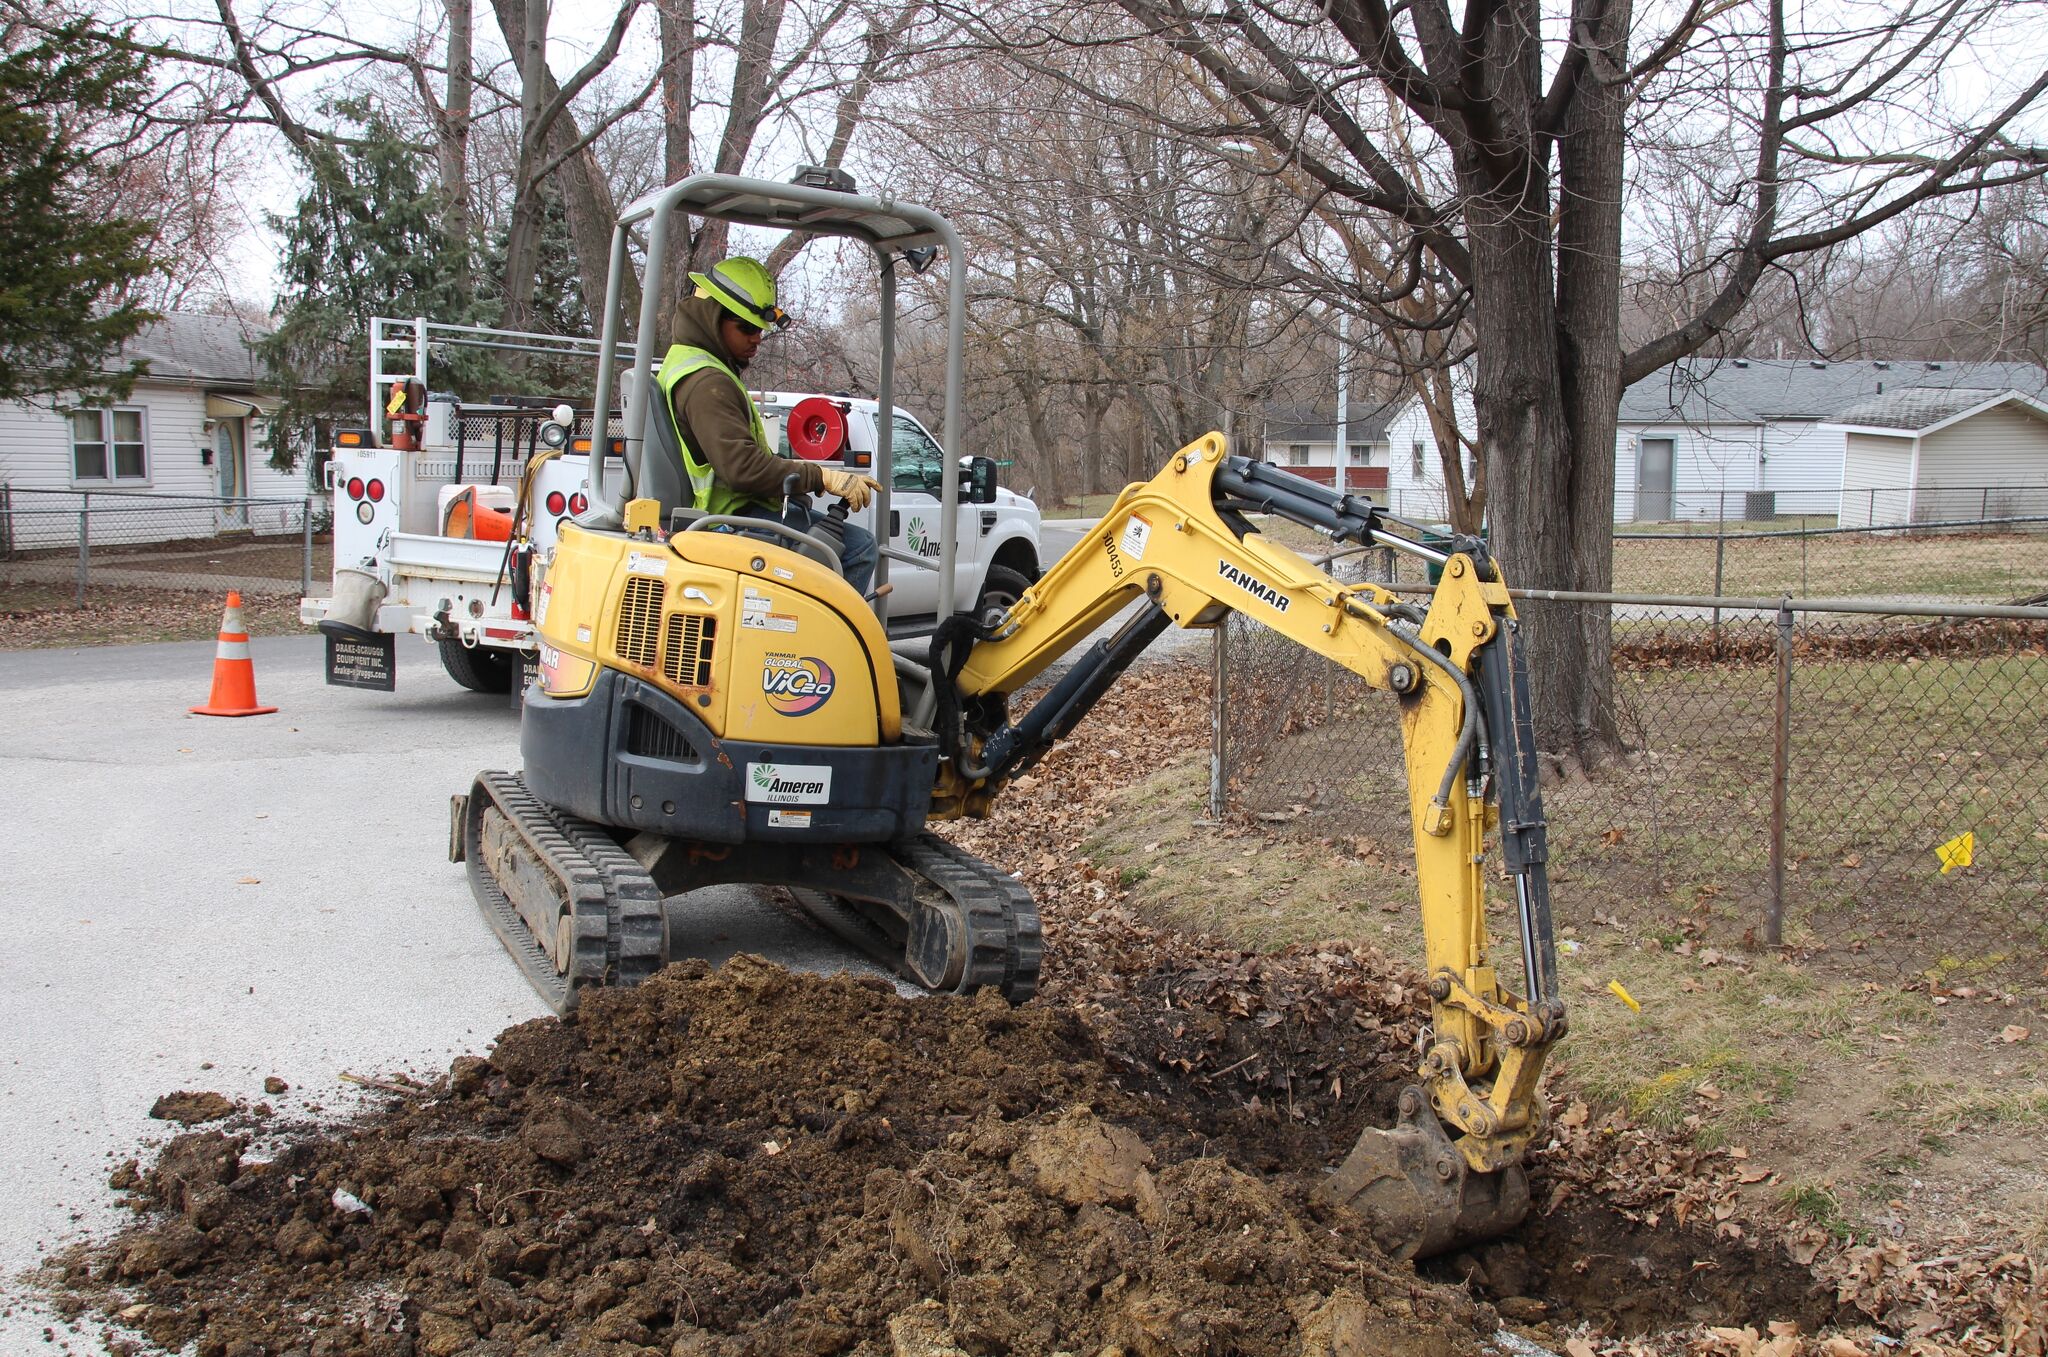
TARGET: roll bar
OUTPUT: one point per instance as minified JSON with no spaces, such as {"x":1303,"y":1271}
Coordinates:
{"x":891,"y":229}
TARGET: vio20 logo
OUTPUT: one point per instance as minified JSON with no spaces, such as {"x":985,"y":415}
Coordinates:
{"x":796,"y":685}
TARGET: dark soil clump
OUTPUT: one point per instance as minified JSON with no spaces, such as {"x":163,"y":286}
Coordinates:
{"x":750,"y":1161}
{"x":190,"y":1109}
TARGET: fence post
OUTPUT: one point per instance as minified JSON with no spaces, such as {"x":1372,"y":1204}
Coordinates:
{"x":84,"y":550}
{"x":1781,"y":777}
{"x":1219,"y":681}
{"x":306,"y":561}
{"x":1720,"y":560}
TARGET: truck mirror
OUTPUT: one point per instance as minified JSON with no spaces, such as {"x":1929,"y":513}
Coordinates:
{"x":981,"y":480}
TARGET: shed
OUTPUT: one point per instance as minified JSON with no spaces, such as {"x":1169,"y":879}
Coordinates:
{"x":1961,"y":455}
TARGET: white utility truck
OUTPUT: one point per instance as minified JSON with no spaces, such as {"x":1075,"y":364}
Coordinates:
{"x":446,"y":510}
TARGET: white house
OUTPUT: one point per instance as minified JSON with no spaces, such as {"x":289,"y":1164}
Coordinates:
{"x":1415,"y":472}
{"x":1918,"y":456}
{"x":185,"y":447}
{"x":1756,"y":438}
{"x":1304,"y":440}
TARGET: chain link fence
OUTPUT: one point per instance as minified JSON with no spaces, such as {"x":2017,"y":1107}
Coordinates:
{"x":1982,"y":560}
{"x":1911,"y":838}
{"x":60,"y":547}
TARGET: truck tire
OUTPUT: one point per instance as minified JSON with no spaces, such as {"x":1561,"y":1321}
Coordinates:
{"x":481,"y":669}
{"x":1000,"y":588}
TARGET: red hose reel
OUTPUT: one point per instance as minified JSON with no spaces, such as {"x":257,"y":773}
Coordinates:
{"x":817,"y":429}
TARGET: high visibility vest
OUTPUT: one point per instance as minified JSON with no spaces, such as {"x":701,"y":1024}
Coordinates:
{"x":706,"y":491}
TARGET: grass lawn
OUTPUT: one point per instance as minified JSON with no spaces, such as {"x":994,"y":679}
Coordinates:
{"x":1891,"y":1068}
{"x":1983,"y":568}
{"x":43,"y":616}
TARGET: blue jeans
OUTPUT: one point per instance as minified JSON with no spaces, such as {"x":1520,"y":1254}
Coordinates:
{"x":856,"y":557}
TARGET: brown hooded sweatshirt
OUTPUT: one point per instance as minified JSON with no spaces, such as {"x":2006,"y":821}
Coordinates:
{"x":711,"y":414}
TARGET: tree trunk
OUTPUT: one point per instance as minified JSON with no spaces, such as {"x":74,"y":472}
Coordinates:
{"x":522,"y":241}
{"x":453,"y":141}
{"x":678,"y":96}
{"x":587,"y":198}
{"x":1589,"y":366}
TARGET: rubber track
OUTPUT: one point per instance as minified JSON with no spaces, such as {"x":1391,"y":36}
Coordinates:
{"x":1004,"y":942}
{"x":618,"y":934}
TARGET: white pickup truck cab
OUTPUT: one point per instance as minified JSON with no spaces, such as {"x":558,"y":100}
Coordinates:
{"x":430,"y":536}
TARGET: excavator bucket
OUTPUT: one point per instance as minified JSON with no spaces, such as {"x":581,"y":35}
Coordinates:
{"x":1415,"y":1191}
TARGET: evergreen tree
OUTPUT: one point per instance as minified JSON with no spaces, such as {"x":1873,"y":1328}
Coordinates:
{"x":66,"y":267}
{"x":367,"y":239}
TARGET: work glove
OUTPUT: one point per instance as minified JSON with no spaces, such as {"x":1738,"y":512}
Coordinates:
{"x":850,"y":486}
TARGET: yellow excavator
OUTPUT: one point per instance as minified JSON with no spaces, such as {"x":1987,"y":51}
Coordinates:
{"x":716,"y":705}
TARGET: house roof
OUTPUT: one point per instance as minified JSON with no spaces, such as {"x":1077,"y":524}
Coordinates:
{"x":1918,"y":410}
{"x":1758,"y":390}
{"x":186,"y":346}
{"x":1366,"y":423}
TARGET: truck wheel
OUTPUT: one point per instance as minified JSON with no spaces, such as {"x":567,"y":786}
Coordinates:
{"x":481,"y":669}
{"x":1001,"y":588}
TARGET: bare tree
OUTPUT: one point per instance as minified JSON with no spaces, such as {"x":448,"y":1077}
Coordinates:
{"x":1826,"y":131}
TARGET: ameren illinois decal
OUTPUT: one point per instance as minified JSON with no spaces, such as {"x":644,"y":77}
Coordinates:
{"x":789,"y":784}
{"x":796,"y":685}
{"x":919,"y":538}
{"x":1253,"y":585}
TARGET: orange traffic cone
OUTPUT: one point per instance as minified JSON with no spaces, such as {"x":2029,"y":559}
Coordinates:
{"x":234,"y":673}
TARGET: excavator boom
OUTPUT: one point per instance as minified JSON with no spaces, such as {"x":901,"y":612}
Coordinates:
{"x":1184,"y":544}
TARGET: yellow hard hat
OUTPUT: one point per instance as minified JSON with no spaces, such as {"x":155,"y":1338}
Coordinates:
{"x":742,"y":286}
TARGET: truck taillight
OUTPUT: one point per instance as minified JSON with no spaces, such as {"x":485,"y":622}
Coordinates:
{"x":556,"y":503}
{"x":578,"y":502}
{"x":355,"y":487}
{"x":375,"y":490}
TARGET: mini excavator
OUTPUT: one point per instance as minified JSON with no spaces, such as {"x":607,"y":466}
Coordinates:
{"x":716,"y":705}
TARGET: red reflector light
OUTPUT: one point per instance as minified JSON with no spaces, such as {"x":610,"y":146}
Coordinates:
{"x":502,"y":633}
{"x":555,"y":502}
{"x":578,"y":502}
{"x":375,"y":490}
{"x":861,"y":459}
{"x":355,"y":487}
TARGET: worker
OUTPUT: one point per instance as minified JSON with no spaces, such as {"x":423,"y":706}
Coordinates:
{"x":726,"y":457}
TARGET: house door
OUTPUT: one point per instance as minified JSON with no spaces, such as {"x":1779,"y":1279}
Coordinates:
{"x":231,"y":472}
{"x":1653,"y":478}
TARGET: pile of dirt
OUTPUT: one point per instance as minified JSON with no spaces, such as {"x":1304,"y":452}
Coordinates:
{"x":750,"y":1161}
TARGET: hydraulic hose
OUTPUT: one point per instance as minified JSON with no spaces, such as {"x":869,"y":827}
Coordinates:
{"x":1468,"y":726}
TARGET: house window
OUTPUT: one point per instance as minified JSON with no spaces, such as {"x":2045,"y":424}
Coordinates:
{"x":1297,"y":454}
{"x":1415,"y":460}
{"x":1361,"y":454}
{"x":107,"y":447}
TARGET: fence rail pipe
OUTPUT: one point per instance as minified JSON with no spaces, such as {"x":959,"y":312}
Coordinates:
{"x":1707,"y":603}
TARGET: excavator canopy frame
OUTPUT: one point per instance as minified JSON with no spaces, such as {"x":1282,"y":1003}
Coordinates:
{"x":890,"y":229}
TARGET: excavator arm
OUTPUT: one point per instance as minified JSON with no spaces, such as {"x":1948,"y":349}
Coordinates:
{"x":1182,"y":542}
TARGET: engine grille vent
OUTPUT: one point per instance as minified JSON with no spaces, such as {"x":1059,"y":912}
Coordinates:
{"x":639,"y":620}
{"x":686,"y":649}
{"x":651,"y":737}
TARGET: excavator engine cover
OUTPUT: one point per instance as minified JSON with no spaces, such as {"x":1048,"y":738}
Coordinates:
{"x":1415,"y":1191}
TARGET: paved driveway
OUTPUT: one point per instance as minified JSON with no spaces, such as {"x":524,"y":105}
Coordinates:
{"x":200,"y":903}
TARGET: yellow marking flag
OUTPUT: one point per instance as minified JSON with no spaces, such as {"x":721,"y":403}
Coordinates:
{"x":1614,"y":988}
{"x":1957,"y":852}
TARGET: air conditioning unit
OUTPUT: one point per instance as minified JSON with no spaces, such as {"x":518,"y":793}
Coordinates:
{"x":1758,"y":505}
